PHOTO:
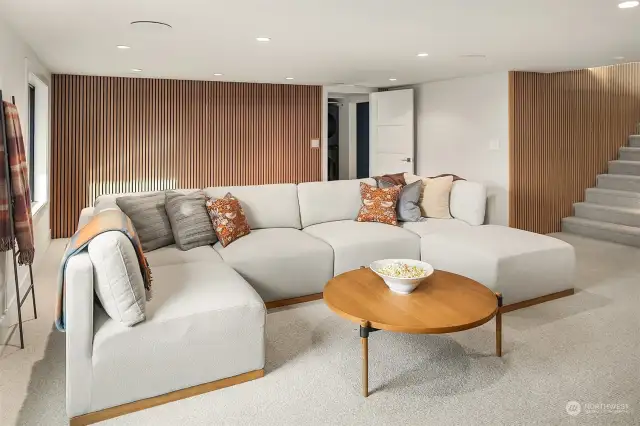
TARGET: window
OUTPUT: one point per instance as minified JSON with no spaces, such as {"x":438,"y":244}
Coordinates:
{"x":32,"y":140}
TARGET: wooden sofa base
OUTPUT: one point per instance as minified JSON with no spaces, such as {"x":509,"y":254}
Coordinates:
{"x":505,"y":309}
{"x":293,"y":301}
{"x":108,"y":413}
{"x":537,"y":300}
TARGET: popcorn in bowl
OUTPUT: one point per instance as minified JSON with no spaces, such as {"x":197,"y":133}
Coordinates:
{"x":402,"y":275}
{"x":402,"y":270}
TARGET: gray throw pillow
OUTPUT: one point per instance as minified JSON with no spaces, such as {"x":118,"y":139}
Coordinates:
{"x":150,"y":219}
{"x":190,"y":220}
{"x":408,"y":207}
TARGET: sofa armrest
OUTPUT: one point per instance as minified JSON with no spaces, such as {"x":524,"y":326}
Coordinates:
{"x":85,"y":216}
{"x":79,"y":333}
{"x":468,"y":202}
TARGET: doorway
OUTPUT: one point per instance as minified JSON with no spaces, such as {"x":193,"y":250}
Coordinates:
{"x":346,"y":127}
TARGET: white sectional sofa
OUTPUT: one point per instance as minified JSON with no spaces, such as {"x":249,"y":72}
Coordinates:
{"x":206,"y":321}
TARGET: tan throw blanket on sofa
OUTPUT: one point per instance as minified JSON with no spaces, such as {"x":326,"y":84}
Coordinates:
{"x":107,"y":220}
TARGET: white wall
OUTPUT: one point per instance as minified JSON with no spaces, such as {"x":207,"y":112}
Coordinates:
{"x":456,"y":121}
{"x":17,"y":61}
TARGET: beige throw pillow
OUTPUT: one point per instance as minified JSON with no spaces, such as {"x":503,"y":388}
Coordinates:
{"x":434,"y":201}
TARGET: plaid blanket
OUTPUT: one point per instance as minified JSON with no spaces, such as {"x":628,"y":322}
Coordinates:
{"x":108,"y":220}
{"x":23,"y":225}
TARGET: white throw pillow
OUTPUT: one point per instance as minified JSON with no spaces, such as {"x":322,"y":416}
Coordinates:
{"x":118,"y":281}
{"x":434,"y":201}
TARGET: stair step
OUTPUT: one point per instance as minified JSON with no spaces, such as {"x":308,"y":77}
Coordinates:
{"x":622,"y":167}
{"x":611,"y":197}
{"x":619,"y":182}
{"x":634,"y":141}
{"x":629,"y":154}
{"x":620,"y":234}
{"x":619,"y":215}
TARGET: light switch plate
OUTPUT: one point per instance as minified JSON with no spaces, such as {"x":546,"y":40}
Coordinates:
{"x":494,"y":145}
{"x":315,"y":143}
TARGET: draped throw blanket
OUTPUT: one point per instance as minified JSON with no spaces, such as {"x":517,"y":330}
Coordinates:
{"x":108,"y":220}
{"x":18,"y":187}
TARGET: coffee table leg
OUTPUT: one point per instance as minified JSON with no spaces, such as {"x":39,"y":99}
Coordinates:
{"x":499,"y":326}
{"x":364,"y":339}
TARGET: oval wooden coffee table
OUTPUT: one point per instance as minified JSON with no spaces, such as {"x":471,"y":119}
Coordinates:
{"x":442,"y":303}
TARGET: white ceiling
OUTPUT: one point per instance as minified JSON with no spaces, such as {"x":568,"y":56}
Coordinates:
{"x":362,"y":42}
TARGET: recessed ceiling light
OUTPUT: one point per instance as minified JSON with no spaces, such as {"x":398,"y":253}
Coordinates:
{"x":473,"y":56}
{"x":618,"y":58}
{"x":151,"y":24}
{"x":217,"y":74}
{"x":122,"y":46}
{"x":136,"y":70}
{"x":628,"y":4}
{"x":288,"y":78}
{"x":422,"y":55}
{"x":263,"y":39}
{"x":392,"y":79}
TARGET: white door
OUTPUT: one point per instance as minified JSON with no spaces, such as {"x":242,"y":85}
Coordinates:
{"x":391,"y":125}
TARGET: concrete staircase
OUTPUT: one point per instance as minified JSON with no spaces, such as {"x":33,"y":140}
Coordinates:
{"x":611,"y":211}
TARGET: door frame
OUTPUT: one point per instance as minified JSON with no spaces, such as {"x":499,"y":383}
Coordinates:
{"x":357,"y":93}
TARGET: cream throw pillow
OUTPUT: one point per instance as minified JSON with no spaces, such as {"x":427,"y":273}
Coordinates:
{"x":434,"y":201}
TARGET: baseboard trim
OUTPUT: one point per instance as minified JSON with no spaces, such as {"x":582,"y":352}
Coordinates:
{"x":109,"y":413}
{"x":537,"y":300}
{"x":293,"y":301}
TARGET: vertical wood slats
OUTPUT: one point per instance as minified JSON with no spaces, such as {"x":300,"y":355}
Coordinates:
{"x":564,"y":128}
{"x":112,"y":135}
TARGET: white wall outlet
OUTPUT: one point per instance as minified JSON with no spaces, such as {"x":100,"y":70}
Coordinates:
{"x":315,"y":143}
{"x":494,"y":145}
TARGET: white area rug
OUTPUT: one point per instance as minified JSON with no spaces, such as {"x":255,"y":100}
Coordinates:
{"x":582,"y":348}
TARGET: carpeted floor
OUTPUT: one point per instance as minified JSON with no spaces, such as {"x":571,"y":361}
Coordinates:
{"x":582,"y":348}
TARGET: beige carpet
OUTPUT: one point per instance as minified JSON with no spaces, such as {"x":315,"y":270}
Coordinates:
{"x":583,"y":348}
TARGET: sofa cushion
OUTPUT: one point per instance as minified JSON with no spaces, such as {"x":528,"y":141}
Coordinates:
{"x":172,"y":255}
{"x":379,"y":204}
{"x":118,"y":281}
{"x":330,"y":201}
{"x":149,"y":217}
{"x":357,"y":244}
{"x":468,"y":201}
{"x":108,"y":201}
{"x":229,"y":220}
{"x":190,"y":221}
{"x":204,"y":323}
{"x":431,"y":226}
{"x":408,"y":207}
{"x":519,"y":264}
{"x":266,"y":206}
{"x":280,"y":263}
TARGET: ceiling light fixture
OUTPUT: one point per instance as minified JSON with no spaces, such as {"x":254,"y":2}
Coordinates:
{"x":123,"y":47}
{"x":392,"y":79}
{"x":628,"y":4}
{"x":288,"y":78}
{"x":151,"y":24}
{"x":136,"y":70}
{"x":217,"y":74}
{"x":263,"y":39}
{"x":618,"y":58}
{"x":422,"y":55}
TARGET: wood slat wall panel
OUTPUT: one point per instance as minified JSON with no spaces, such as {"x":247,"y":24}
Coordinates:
{"x":112,"y":135}
{"x":564,"y":128}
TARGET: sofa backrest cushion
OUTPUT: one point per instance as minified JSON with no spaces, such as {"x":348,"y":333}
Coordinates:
{"x":108,"y":201}
{"x":468,"y":202}
{"x":265,"y":206}
{"x":330,"y":201}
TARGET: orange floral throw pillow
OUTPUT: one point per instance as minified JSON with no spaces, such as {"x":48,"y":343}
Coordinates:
{"x":228,"y":219}
{"x":378,"y":204}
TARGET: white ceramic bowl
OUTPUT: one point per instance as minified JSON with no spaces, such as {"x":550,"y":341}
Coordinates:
{"x":401,"y":285}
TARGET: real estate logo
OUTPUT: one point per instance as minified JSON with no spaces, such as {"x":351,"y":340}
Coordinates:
{"x":573,"y":408}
